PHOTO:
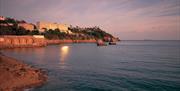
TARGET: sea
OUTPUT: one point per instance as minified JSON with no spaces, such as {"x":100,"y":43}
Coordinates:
{"x":128,"y":66}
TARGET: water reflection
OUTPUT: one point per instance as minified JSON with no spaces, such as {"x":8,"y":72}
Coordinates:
{"x":39,"y":54}
{"x":63,"y":55}
{"x":36,"y":54}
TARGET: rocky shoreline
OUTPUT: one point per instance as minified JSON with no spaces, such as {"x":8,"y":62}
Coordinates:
{"x":17,"y":76}
{"x":11,"y":41}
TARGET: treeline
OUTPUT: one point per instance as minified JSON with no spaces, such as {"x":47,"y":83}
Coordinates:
{"x":12,"y":30}
{"x":57,"y":34}
{"x":96,"y":32}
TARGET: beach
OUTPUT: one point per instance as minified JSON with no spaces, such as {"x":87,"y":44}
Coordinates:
{"x":17,"y":76}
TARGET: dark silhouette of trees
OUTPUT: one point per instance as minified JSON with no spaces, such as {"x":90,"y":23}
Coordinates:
{"x":34,"y":32}
{"x":95,"y":32}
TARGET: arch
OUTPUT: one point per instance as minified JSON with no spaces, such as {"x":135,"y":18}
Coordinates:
{"x":8,"y":41}
{"x":22,"y":41}
{"x":29,"y":41}
{"x":15,"y":41}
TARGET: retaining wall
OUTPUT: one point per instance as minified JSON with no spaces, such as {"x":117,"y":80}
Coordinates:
{"x":21,"y":41}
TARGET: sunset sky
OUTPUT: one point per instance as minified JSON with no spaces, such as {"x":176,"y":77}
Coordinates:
{"x":127,"y":19}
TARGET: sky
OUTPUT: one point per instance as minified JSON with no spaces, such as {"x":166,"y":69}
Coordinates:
{"x":126,"y":19}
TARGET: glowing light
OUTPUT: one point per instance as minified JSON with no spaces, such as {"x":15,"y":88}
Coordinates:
{"x":63,"y":54}
{"x":65,"y":48}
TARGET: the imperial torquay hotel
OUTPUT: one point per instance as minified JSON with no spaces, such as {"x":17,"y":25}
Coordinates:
{"x":42,"y":26}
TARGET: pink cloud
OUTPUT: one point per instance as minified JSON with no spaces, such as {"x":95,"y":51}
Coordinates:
{"x":128,"y":19}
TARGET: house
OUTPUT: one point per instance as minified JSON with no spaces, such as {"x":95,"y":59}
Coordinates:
{"x":2,"y":18}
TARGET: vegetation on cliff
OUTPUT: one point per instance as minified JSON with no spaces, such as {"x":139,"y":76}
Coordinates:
{"x":9,"y":26}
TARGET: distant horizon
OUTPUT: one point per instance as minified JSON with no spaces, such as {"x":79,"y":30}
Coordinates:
{"x":126,"y":19}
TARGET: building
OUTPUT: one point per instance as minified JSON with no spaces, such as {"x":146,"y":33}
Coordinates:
{"x":42,"y":26}
{"x":2,"y":18}
{"x":6,"y":24}
{"x":27,"y":26}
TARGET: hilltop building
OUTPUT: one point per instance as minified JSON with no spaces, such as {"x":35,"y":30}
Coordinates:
{"x":27,"y":26}
{"x":42,"y":26}
{"x":5,"y":24}
{"x":2,"y":18}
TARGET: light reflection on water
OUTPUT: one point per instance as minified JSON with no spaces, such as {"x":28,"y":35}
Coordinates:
{"x":64,"y":50}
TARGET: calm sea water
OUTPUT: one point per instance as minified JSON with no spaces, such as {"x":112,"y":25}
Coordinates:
{"x":127,"y":66}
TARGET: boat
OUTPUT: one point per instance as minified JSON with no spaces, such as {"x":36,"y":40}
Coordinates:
{"x":112,"y":43}
{"x":101,"y":43}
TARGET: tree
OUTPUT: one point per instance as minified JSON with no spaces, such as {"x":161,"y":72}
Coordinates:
{"x":34,"y":32}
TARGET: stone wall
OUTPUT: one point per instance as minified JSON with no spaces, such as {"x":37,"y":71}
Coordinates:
{"x":21,"y":41}
{"x":34,"y":41}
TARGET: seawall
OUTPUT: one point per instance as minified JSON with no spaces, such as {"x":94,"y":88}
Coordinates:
{"x":10,"y":41}
{"x":21,"y":41}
